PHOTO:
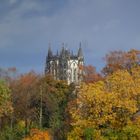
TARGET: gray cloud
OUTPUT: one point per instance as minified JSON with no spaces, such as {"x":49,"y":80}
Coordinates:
{"x":26,"y":28}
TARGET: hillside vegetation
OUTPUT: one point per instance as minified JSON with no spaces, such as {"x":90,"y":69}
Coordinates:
{"x":105,"y":106}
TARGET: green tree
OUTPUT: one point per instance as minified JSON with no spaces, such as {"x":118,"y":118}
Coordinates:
{"x":5,"y":102}
{"x":54,"y":101}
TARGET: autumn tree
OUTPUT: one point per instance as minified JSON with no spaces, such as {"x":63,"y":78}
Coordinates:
{"x":121,"y":60}
{"x":40,"y":101}
{"x":24,"y":95}
{"x":90,"y":75}
{"x":106,"y":108}
{"x":135,"y":72}
{"x":36,"y":134}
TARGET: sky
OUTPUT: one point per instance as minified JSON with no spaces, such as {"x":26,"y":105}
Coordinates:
{"x":27,"y":27}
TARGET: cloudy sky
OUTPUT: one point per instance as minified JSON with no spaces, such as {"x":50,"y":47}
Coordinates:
{"x":28,"y":26}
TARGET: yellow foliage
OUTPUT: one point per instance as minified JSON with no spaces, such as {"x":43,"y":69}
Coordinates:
{"x":107,"y":104}
{"x":6,"y":107}
{"x":21,"y":123}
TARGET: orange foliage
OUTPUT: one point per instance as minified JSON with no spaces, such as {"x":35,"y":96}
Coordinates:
{"x":28,"y":79}
{"x":36,"y":134}
{"x":120,"y":60}
{"x":89,"y":74}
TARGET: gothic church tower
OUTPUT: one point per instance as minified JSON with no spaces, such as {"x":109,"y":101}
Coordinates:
{"x":64,"y":65}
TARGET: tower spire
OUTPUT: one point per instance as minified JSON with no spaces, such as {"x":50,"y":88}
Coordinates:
{"x":80,"y":52}
{"x":50,"y":51}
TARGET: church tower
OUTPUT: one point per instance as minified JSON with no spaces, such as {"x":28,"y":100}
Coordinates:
{"x":65,"y":65}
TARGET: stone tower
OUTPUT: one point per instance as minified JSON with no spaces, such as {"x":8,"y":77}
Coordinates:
{"x":64,"y":65}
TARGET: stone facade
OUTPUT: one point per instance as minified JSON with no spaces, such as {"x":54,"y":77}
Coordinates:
{"x":64,"y":65}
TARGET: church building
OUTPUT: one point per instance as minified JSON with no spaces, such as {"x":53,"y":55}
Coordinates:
{"x":65,"y":65}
